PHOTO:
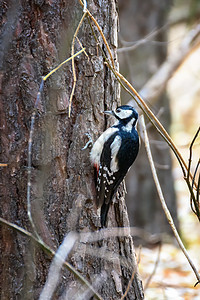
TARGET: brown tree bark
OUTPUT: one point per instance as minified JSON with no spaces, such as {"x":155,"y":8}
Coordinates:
{"x":35,"y":37}
{"x":138,"y":21}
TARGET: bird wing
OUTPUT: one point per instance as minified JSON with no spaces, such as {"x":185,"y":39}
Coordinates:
{"x":108,"y":176}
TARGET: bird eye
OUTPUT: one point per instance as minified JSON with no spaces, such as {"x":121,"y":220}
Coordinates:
{"x":118,"y":110}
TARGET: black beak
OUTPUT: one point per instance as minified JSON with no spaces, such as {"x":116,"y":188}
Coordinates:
{"x":109,"y":112}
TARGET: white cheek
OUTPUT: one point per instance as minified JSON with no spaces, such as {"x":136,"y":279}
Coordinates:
{"x":123,"y":114}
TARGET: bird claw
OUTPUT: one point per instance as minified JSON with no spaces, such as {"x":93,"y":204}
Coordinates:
{"x":90,"y":142}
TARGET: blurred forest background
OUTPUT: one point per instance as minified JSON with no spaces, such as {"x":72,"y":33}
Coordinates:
{"x":151,"y":32}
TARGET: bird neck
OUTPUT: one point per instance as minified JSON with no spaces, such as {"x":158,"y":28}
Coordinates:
{"x":126,"y":125}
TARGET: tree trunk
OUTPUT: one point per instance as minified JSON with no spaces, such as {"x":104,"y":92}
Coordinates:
{"x":35,"y":37}
{"x":139,"y":20}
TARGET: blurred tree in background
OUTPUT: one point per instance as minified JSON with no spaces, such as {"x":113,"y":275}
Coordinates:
{"x":146,"y":21}
{"x":144,"y":45}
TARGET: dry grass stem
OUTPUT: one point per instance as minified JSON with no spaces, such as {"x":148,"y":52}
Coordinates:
{"x":141,"y":103}
{"x":162,"y":200}
{"x":102,"y":35}
{"x":154,"y":269}
{"x":56,"y":266}
{"x":156,"y":85}
{"x":194,"y":201}
{"x":52,"y":253}
{"x":73,"y":66}
{"x":30,"y":141}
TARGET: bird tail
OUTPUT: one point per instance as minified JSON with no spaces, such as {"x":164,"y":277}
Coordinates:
{"x":104,"y":212}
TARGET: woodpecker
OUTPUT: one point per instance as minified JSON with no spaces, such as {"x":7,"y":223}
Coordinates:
{"x":112,"y":155}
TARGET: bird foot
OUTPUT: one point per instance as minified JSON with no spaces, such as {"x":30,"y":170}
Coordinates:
{"x":90,"y":142}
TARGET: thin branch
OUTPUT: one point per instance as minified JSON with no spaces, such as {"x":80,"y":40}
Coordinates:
{"x":82,"y":47}
{"x":191,"y":148}
{"x":130,"y":46}
{"x":133,"y":274}
{"x":87,"y":294}
{"x":91,"y":237}
{"x":102,"y":35}
{"x":194,"y":201}
{"x":198,"y":189}
{"x":162,"y":200}
{"x":154,"y":269}
{"x":52,"y":252}
{"x":30,"y":141}
{"x":84,"y":6}
{"x":72,"y":54}
{"x":56,"y":265}
{"x":157,"y":83}
{"x":44,"y":78}
{"x":64,"y":62}
{"x":195,"y":172}
{"x":129,"y":285}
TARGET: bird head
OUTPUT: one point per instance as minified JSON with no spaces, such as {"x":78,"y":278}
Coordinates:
{"x":124,"y":114}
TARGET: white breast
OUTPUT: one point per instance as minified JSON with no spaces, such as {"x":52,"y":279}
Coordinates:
{"x":97,"y":148}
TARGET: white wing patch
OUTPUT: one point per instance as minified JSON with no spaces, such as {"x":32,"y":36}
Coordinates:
{"x":97,"y":148}
{"x":116,"y":144}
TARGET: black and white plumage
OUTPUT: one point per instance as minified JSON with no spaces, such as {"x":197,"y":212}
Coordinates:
{"x":112,"y":155}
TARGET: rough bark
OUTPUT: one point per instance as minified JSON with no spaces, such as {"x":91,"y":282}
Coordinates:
{"x":137,"y":21}
{"x":35,"y":37}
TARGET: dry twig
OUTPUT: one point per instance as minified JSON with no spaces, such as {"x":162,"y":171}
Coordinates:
{"x":102,"y":35}
{"x":30,"y":142}
{"x":154,"y":87}
{"x":162,"y":200}
{"x":131,"y":46}
{"x":194,"y":201}
{"x":52,"y":253}
{"x":72,"y":55}
{"x":56,"y":266}
{"x":154,"y":269}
